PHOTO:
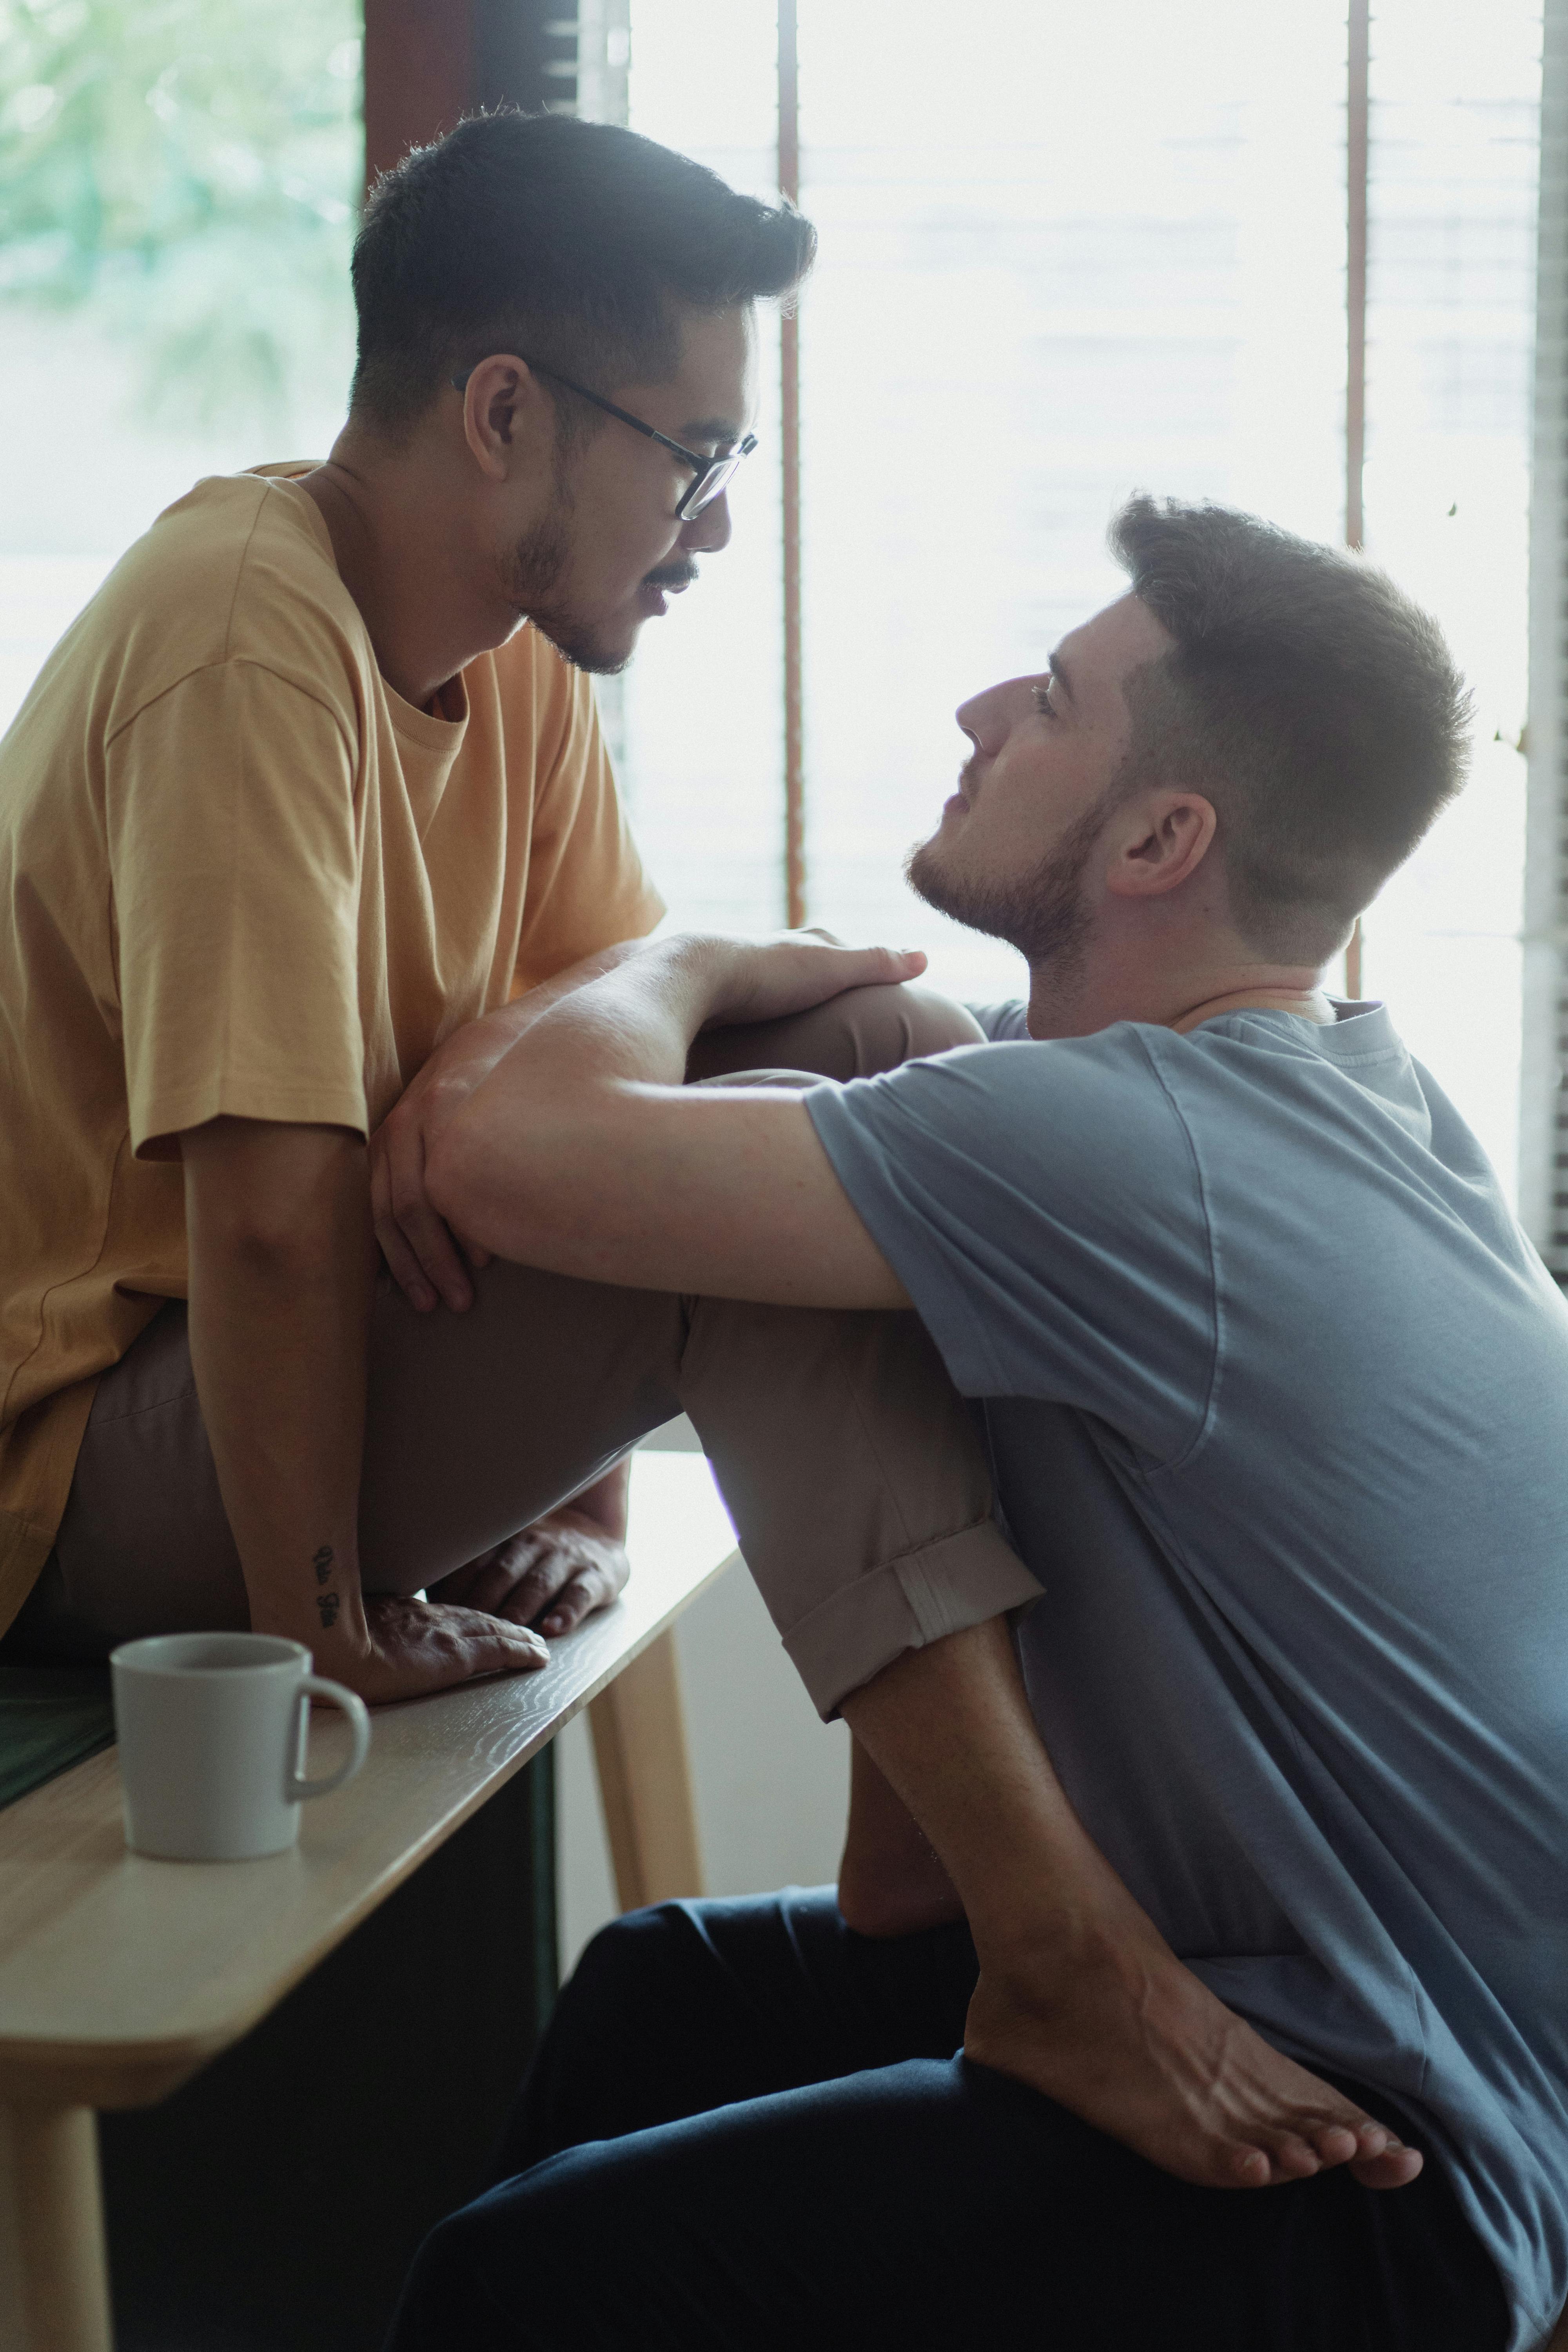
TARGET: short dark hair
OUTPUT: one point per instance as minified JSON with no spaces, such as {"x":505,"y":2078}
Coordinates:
{"x":563,"y":241}
{"x":1306,"y":696}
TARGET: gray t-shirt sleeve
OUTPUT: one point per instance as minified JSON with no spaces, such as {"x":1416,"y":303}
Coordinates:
{"x":1041,"y":1203}
{"x":1003,"y":1022}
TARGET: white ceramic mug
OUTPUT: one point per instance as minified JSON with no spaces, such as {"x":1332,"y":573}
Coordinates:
{"x":212,"y":1730}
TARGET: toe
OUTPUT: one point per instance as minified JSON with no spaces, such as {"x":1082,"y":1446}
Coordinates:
{"x":1340,"y":2144}
{"x":1394,"y":2169}
{"x":1295,"y":2158}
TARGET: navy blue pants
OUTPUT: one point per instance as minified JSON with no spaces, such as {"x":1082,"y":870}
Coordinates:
{"x":746,"y":2127}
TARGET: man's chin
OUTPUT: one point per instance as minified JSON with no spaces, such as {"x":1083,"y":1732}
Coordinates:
{"x":926,"y":873}
{"x":602,"y":648}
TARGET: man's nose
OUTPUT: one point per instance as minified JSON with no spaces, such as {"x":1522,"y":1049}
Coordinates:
{"x":707,"y":532}
{"x":987,"y":717}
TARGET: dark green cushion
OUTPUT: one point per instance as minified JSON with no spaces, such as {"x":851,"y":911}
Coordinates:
{"x":51,"y":1718}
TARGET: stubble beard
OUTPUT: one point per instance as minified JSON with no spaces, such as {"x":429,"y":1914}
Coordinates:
{"x":539,"y":564}
{"x":1043,"y":912}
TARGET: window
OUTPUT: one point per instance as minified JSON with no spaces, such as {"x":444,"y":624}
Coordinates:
{"x":1064,"y":256}
{"x":177,"y":207}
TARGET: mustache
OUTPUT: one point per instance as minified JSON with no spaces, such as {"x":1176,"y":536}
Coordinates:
{"x":671,"y":575}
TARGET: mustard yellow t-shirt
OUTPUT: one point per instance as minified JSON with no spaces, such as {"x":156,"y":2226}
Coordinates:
{"x":239,"y":875}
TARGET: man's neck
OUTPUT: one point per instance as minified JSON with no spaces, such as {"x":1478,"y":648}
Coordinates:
{"x":1307,"y":1003}
{"x":399,"y":549}
{"x":1179,"y":1001}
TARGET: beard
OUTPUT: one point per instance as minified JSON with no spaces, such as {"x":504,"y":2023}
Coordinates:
{"x":534,"y":579}
{"x":539,"y":564}
{"x":1043,"y":912}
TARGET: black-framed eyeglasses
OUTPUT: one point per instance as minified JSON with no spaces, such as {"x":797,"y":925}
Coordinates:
{"x":712,"y":474}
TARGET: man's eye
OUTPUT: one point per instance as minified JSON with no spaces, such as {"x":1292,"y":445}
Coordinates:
{"x":1042,"y":697}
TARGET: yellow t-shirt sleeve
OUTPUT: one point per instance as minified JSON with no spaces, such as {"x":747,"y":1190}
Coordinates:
{"x":231,"y":836}
{"x":586,"y":885}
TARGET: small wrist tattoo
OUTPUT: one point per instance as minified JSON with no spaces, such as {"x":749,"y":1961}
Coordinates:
{"x":321,"y":1561}
{"x":328,"y":1604}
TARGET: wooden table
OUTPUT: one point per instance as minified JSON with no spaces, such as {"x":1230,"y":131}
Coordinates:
{"x":121,"y":1976}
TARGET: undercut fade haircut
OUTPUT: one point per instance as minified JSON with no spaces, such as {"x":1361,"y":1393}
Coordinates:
{"x":568,"y":243}
{"x":1306,"y":698}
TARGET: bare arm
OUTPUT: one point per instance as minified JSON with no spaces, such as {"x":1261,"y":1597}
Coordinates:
{"x":281,"y":1267}
{"x":582,"y":1152}
{"x":420,"y":1250}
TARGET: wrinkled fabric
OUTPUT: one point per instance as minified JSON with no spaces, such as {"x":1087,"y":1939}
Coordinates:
{"x":1276,"y":1392}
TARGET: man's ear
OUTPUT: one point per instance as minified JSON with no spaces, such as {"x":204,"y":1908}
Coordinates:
{"x":1160,"y":843}
{"x":505,"y":409}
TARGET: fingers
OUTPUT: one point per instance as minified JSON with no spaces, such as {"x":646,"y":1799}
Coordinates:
{"x":541,"y":1577}
{"x":875,"y":967}
{"x":441,"y":1271}
{"x":479,"y":1643}
{"x":591,"y":1588}
{"x":494,"y":1581}
{"x":506,"y":1649}
{"x":418,"y":1647}
{"x":401,"y":1262}
{"x":418,"y":1247}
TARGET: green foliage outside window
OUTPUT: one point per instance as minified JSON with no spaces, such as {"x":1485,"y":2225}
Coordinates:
{"x":186,"y":171}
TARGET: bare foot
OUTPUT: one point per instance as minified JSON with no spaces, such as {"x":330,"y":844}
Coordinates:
{"x":1130,"y":2039}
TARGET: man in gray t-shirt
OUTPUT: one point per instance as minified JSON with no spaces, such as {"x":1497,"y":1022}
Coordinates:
{"x":1277,"y":1393}
{"x":1277,"y":1398}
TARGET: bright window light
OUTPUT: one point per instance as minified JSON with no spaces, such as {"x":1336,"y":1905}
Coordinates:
{"x":1064,"y":255}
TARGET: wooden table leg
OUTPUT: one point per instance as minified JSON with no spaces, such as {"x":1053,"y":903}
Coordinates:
{"x":645,"y":1780}
{"x":54,"y":2279}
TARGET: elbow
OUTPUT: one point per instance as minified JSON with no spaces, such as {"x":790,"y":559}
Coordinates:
{"x":277,"y":1206}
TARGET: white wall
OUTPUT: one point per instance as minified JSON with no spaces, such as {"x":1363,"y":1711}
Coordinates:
{"x":771,"y":1782}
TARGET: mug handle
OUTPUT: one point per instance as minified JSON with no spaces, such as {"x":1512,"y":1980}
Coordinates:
{"x":316,"y":1687}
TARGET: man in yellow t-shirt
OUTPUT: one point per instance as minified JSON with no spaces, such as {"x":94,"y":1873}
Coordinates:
{"x":301,"y":805}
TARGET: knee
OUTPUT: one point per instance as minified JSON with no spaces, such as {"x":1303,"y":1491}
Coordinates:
{"x":497,"y":2275}
{"x":444,"y":2301}
{"x":885,"y":1026}
{"x":936,"y":1024}
{"x":627,"y":1964}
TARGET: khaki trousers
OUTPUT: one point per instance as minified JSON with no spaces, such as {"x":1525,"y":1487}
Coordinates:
{"x":849,"y":1463}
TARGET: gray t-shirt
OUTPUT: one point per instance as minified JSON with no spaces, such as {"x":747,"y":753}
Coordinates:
{"x":1278,"y":1398}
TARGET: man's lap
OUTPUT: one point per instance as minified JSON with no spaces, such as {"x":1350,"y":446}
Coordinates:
{"x":926,"y":2200}
{"x":476,"y":1424}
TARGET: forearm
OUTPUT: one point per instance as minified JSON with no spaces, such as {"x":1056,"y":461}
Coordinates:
{"x":473,"y":1051}
{"x":279,"y":1305}
{"x":629,"y":1015}
{"x":547,"y":1130}
{"x":584,"y":1152}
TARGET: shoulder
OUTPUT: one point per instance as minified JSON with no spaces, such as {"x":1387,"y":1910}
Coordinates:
{"x":1095,"y":1101}
{"x":239,"y":570}
{"x":1003,"y":1023}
